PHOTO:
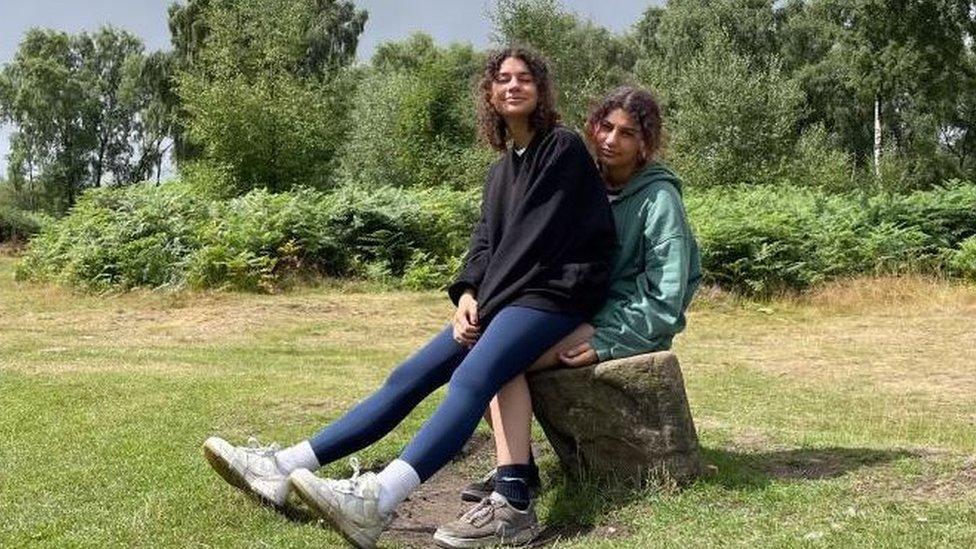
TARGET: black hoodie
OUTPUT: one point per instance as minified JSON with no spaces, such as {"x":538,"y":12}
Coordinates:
{"x":546,"y":235}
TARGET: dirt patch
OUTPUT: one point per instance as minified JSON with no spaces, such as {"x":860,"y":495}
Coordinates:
{"x":824,"y":463}
{"x":438,"y":500}
{"x":943,"y":477}
{"x":953,"y":486}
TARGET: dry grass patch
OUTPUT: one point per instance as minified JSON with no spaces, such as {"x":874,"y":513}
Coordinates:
{"x":897,"y":335}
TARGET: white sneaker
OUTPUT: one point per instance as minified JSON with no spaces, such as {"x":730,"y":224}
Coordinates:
{"x":252,"y":468}
{"x":351,"y":506}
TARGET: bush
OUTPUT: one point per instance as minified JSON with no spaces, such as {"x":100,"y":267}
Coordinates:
{"x":120,"y":238}
{"x":413,"y":122}
{"x":19,"y":225}
{"x":170,"y":236}
{"x":733,"y":124}
{"x":962,"y":262}
{"x":763,"y":239}
{"x":754,"y":239}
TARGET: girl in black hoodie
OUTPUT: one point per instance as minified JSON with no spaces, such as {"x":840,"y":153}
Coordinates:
{"x":537,"y":267}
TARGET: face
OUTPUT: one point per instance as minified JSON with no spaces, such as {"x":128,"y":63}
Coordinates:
{"x":618,"y":141}
{"x":513,"y":91}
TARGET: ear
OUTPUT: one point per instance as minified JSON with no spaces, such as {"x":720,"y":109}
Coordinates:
{"x":646,"y":153}
{"x":591,"y":128}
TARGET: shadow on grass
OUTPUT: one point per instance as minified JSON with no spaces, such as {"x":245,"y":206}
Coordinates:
{"x":575,"y":507}
{"x":755,"y":470}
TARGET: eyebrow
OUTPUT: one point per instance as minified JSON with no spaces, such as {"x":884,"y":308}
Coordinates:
{"x":519,"y":73}
{"x":621,"y":126}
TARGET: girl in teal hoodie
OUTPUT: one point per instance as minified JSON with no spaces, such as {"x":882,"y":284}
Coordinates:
{"x":654,"y":275}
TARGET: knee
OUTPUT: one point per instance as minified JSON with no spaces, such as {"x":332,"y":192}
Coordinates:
{"x":471,"y":385}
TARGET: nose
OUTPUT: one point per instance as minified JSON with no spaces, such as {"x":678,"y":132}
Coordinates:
{"x":612,"y":136}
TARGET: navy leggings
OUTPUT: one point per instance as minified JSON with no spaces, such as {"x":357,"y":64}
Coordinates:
{"x":514,"y":339}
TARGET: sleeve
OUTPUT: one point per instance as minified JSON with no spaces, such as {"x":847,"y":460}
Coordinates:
{"x":476,"y":261}
{"x":649,"y":320}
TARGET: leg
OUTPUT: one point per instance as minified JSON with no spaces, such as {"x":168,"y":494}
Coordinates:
{"x":512,"y":342}
{"x":361,"y":507}
{"x":511,"y":412}
{"x":407,"y":385}
{"x":263,"y":472}
{"x":511,"y":409}
{"x":550,"y":359}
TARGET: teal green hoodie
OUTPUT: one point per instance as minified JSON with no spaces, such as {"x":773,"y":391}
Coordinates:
{"x":655,"y":272}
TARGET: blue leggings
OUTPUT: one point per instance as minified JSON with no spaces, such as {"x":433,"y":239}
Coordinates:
{"x":514,"y":339}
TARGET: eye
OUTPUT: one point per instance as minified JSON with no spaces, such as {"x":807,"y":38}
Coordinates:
{"x":606,"y":126}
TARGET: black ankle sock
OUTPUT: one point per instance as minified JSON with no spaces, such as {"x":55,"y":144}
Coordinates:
{"x":512,"y":482}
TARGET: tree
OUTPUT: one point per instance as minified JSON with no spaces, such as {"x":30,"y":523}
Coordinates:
{"x":151,"y":91}
{"x":104,"y":57}
{"x":47,"y":102}
{"x":886,"y":75}
{"x":265,"y":97}
{"x":414,"y":119}
{"x":734,"y":124}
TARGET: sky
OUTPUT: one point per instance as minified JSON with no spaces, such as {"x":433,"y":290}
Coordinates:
{"x":446,"y":20}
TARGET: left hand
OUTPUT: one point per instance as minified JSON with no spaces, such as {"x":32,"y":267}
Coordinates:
{"x":578,"y":356}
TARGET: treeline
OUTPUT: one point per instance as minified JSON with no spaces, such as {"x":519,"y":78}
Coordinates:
{"x":262,"y":99}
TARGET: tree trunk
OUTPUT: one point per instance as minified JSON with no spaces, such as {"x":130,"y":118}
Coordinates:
{"x":877,"y":136}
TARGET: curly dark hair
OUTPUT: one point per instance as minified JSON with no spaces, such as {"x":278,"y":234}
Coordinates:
{"x":491,"y":126}
{"x":641,"y":105}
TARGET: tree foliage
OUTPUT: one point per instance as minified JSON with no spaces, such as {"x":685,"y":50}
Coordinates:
{"x":412,"y":120}
{"x":77,"y":103}
{"x":267,"y":89}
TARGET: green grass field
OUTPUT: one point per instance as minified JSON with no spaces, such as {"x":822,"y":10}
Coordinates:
{"x":843,"y":418}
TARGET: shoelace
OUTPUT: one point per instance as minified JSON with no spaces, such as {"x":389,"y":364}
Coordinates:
{"x":482,"y":513}
{"x":254,"y":447}
{"x":351,"y":484}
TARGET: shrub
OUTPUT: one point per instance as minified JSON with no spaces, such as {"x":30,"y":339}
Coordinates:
{"x":170,"y":236}
{"x":413,"y":121}
{"x":120,"y":237}
{"x":962,"y":262}
{"x":754,"y":239}
{"x":19,"y":225}
{"x":762,"y":239}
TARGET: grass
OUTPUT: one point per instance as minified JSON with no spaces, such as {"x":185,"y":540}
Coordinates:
{"x":840,"y":418}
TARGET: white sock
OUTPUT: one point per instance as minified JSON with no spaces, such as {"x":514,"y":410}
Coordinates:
{"x":397,"y":481}
{"x":299,"y":456}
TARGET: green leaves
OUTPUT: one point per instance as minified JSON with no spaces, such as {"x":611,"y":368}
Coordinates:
{"x":265,"y":93}
{"x":169,"y":235}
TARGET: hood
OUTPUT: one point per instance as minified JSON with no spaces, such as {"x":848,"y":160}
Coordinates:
{"x":652,"y":173}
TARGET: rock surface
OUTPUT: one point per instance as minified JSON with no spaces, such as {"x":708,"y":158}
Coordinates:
{"x":621,"y":418}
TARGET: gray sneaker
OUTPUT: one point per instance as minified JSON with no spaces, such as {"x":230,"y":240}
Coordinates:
{"x":251,"y":468}
{"x":493,"y":521}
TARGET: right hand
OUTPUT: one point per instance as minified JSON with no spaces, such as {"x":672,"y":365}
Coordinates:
{"x":465,"y":321}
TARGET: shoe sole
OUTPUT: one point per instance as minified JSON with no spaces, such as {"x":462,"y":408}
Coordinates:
{"x":522,"y":537}
{"x":222,"y":466}
{"x":302,"y":482}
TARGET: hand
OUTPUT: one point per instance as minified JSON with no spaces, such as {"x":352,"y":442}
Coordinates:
{"x":465,"y":321}
{"x":578,"y":356}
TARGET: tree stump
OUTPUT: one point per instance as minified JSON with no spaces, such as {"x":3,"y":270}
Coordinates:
{"x":621,"y":418}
